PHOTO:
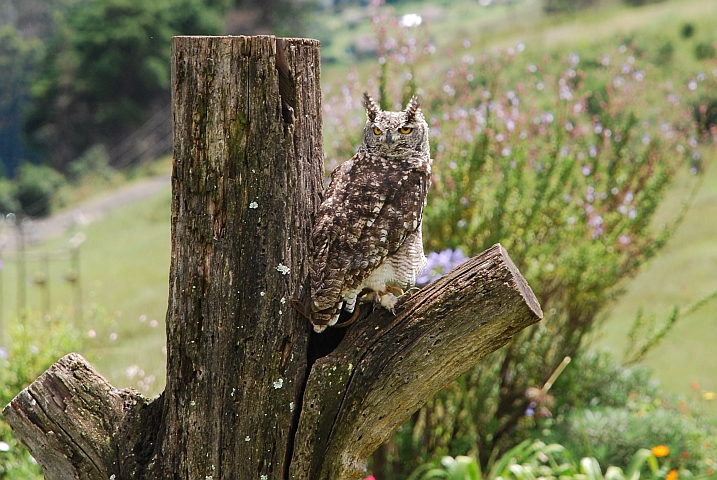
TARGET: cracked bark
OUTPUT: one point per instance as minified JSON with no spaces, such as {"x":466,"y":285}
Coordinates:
{"x":251,"y":391}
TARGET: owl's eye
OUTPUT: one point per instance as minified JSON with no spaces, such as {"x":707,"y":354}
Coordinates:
{"x":405,"y":130}
{"x":377,"y":130}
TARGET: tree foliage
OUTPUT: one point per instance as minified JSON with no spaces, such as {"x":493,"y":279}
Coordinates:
{"x":18,"y":60}
{"x":106,"y":69}
{"x":35,"y":187}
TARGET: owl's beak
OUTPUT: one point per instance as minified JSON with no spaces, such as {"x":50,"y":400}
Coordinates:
{"x":389,"y":140}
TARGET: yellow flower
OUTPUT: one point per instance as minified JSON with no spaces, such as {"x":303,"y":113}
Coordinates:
{"x":708,"y":395}
{"x":672,"y":475}
{"x":661,"y":451}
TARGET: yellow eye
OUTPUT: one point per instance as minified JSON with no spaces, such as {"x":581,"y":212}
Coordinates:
{"x":377,"y":130}
{"x":405,"y":130}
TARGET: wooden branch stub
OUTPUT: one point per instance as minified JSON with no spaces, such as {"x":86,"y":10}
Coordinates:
{"x":70,"y":419}
{"x":389,"y":366}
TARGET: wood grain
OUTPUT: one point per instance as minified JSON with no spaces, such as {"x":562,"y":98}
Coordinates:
{"x":389,"y":366}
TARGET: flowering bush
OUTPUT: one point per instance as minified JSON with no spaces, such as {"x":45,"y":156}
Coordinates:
{"x":606,"y":411}
{"x":440,"y":263}
{"x":562,"y":159}
{"x":566,"y":169}
{"x":610,"y":434}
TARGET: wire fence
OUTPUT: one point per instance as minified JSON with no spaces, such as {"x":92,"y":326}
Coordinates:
{"x":37,"y":280}
{"x":152,"y":140}
{"x":40,"y":280}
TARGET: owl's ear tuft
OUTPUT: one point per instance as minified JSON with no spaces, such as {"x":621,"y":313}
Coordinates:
{"x":371,"y":108}
{"x":412,"y":108}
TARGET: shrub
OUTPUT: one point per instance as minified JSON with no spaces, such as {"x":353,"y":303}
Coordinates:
{"x":530,"y":461}
{"x":607,"y":411}
{"x":567,"y":6}
{"x":705,"y":116}
{"x":568,"y":191}
{"x":665,"y":52}
{"x":35,"y":344}
{"x":639,"y":3}
{"x":611,"y":435}
{"x":523,"y":458}
{"x":596,"y":380}
{"x":705,"y":51}
{"x":93,"y":162}
{"x":563,"y":162}
{"x":35,"y":187}
{"x":8,"y":202}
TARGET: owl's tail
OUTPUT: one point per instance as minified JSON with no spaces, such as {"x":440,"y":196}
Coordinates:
{"x":323,"y":319}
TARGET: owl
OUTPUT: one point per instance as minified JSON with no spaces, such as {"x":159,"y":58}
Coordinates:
{"x":367,"y":239}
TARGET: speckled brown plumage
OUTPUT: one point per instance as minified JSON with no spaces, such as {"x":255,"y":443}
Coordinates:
{"x":368,"y":229}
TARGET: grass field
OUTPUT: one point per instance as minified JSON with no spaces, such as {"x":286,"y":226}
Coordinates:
{"x":124,"y":277}
{"x":125,"y":258}
{"x":682,"y":274}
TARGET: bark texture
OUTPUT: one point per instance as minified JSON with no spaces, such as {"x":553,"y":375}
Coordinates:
{"x":252,"y":392}
{"x":75,"y":423}
{"x":388,"y":366}
{"x":246,"y":182}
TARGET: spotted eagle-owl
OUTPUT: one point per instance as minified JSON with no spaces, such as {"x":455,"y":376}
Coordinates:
{"x":367,"y":239}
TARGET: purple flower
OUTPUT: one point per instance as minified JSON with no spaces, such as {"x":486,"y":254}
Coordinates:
{"x":440,"y":263}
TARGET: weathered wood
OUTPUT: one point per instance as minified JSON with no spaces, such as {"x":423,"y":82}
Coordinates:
{"x":245,"y":397}
{"x":247,"y":179}
{"x":388,"y":366}
{"x":71,"y":420}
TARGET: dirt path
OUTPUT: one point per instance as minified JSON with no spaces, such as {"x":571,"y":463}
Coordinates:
{"x":85,"y":213}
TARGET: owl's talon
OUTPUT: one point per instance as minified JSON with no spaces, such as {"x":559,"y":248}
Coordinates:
{"x":388,"y":301}
{"x":393,"y":288}
{"x":320,"y":328}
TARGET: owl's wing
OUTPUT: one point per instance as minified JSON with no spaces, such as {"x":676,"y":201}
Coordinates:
{"x":366,"y":215}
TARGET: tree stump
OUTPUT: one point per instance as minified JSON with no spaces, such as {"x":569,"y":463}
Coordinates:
{"x":252,"y":392}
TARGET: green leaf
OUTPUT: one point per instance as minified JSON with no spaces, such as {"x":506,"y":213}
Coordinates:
{"x":591,"y":468}
{"x":500,"y":467}
{"x":638,"y":460}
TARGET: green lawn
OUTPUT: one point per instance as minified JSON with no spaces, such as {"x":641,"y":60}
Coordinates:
{"x":124,"y":277}
{"x":683,"y":273}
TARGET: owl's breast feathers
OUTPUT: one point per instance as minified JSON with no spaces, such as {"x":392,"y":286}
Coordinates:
{"x":371,"y":205}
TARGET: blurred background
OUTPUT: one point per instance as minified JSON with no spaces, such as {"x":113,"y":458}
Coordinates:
{"x":578,"y":133}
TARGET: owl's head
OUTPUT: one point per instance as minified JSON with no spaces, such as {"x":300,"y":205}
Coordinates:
{"x":395,"y":133}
